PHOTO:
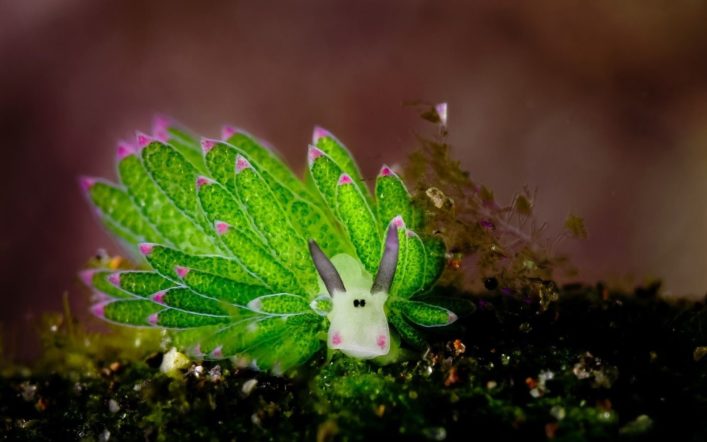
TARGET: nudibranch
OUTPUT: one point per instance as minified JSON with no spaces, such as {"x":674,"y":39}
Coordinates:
{"x":242,"y":259}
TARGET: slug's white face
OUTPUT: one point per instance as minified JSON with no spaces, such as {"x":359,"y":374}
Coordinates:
{"x":359,"y":327}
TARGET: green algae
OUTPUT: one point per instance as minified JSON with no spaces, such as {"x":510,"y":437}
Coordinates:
{"x":596,"y":365}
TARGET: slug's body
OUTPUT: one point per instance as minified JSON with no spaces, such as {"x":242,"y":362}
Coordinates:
{"x":246,"y":261}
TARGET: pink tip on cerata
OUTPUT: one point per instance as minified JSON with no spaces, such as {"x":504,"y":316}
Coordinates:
{"x":87,"y":276}
{"x":255,"y":304}
{"x":241,"y":164}
{"x":398,"y":222}
{"x":161,"y":135}
{"x":319,"y":132}
{"x":227,"y":132}
{"x":344,"y":179}
{"x":153,"y":318}
{"x":114,"y":278}
{"x":313,"y":154}
{"x":99,"y":309}
{"x":146,"y":248}
{"x":123,"y":150}
{"x":409,"y":233}
{"x":143,"y":140}
{"x":217,"y":352}
{"x":86,"y":183}
{"x":159,"y":297}
{"x":196,"y":351}
{"x":181,"y":271}
{"x":452,"y":317}
{"x":385,"y":171}
{"x":268,"y":145}
{"x":160,"y":128}
{"x":207,"y":144}
{"x":100,"y":297}
{"x":161,"y":122}
{"x":336,"y":339}
{"x":221,"y":227}
{"x":202,"y":181}
{"x":441,"y":110}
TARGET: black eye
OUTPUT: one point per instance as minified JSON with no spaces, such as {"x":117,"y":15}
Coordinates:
{"x":363,"y":303}
{"x":355,"y":302}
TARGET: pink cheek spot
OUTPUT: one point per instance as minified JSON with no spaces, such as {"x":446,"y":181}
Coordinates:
{"x":381,"y":341}
{"x":336,"y":339}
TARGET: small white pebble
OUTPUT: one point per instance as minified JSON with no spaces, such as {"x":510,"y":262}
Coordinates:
{"x":249,"y":386}
{"x":113,"y":406}
{"x":545,"y":376}
{"x":105,"y":436}
{"x":173,"y":361}
{"x":28,"y":391}
{"x":215,"y":373}
{"x":558,"y":412}
{"x":197,"y":371}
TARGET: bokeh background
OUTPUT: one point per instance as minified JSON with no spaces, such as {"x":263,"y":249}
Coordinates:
{"x":601,"y":106}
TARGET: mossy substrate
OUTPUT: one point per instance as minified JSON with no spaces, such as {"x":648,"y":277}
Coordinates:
{"x":595,"y":365}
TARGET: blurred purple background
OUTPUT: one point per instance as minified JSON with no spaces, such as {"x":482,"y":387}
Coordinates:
{"x":600,"y":105}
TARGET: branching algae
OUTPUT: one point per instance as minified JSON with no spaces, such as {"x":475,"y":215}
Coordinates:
{"x":246,"y":261}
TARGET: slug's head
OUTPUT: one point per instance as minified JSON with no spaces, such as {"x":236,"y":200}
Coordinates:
{"x":358,"y":325}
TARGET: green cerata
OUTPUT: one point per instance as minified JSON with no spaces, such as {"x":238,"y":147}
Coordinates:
{"x":244,"y":260}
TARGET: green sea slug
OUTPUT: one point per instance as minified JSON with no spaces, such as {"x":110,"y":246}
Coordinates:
{"x":244,"y":260}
